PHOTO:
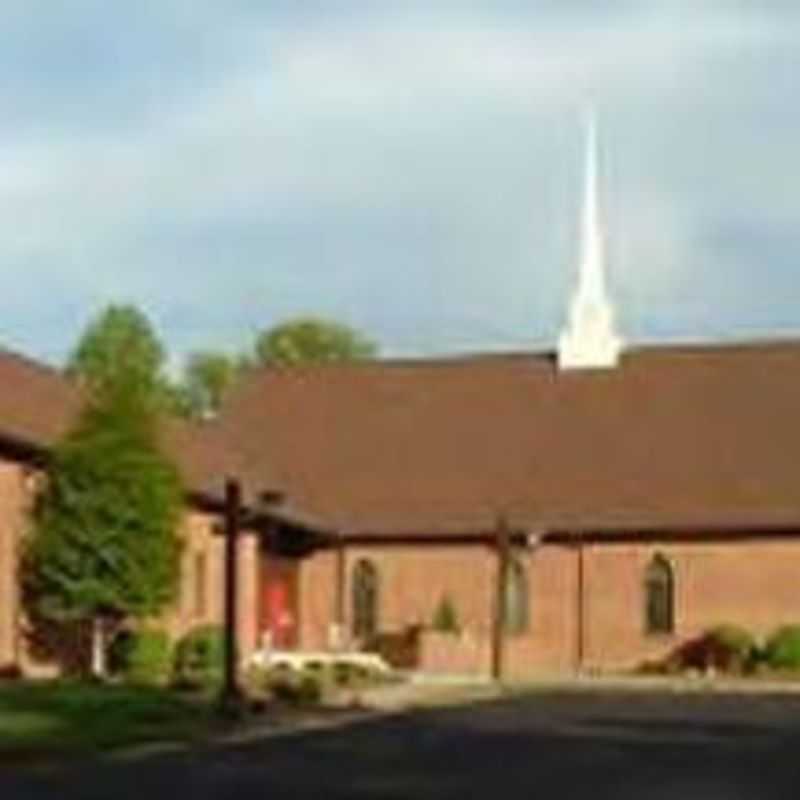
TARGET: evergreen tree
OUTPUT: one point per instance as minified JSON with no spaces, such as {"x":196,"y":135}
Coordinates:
{"x":104,"y":545}
{"x":445,"y":618}
{"x":118,"y":347}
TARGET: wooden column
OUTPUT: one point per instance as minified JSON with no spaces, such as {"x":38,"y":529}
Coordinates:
{"x":339,"y":610}
{"x":231,"y":695}
{"x":580,"y":623}
{"x":503,"y":549}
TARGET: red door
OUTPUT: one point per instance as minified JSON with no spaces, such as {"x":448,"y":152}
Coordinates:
{"x":279,"y":601}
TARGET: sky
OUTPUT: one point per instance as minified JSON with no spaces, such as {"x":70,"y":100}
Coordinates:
{"x":409,"y":167}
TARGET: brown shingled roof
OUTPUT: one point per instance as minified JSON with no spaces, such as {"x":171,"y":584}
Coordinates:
{"x":674,"y":437}
{"x":38,"y":403}
{"x":203,"y":457}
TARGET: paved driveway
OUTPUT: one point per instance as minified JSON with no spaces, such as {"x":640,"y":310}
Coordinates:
{"x":585,"y":745}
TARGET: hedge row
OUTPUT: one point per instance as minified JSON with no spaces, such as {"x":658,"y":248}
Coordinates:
{"x":733,"y":649}
{"x":148,"y":657}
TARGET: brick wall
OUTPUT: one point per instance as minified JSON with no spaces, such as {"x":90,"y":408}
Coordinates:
{"x":201,"y":563}
{"x":412,"y":582}
{"x":549,"y":643}
{"x":13,"y":505}
{"x":317,"y":600}
{"x":455,"y":654}
{"x":200,"y":597}
{"x":414,"y":579}
{"x":752,"y":583}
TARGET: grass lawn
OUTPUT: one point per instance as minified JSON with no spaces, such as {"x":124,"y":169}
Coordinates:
{"x":60,"y":718}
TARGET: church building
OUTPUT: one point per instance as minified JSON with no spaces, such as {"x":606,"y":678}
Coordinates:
{"x":584,"y":509}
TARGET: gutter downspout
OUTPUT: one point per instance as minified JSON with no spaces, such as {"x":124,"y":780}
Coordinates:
{"x":580,"y":611}
{"x":230,"y":698}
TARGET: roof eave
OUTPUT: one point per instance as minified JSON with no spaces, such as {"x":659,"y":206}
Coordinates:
{"x":23,"y":450}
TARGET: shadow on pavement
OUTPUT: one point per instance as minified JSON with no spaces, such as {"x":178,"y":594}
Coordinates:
{"x":526,"y":747}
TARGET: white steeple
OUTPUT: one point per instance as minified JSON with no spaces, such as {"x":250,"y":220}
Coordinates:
{"x":590,"y":339}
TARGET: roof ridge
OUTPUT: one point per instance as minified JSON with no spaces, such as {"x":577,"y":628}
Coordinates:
{"x":442,"y":360}
{"x":544,"y":355}
{"x":16,"y":355}
{"x":690,"y":346}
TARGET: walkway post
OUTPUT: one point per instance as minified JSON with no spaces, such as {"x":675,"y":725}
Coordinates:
{"x":231,"y":694}
{"x":339,"y":599}
{"x":503,"y":546}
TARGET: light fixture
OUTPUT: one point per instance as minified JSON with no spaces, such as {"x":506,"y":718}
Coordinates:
{"x":533,"y":539}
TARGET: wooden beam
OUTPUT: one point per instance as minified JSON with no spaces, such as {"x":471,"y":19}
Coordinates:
{"x":503,"y":549}
{"x":478,"y":538}
{"x":25,"y":452}
{"x":231,"y":695}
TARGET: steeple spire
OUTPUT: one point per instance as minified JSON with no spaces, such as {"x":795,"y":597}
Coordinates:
{"x":590,"y":339}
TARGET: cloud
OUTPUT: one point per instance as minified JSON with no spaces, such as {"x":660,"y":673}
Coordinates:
{"x":412,"y":168}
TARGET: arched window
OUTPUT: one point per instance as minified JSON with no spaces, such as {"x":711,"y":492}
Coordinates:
{"x":365,"y":599}
{"x":516,"y":599}
{"x":659,"y":596}
{"x":200,"y":584}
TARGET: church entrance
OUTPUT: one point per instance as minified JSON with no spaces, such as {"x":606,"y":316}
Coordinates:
{"x":278,"y":601}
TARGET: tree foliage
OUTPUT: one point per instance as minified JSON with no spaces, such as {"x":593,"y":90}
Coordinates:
{"x":200,"y":657}
{"x":142,"y":657}
{"x":105,"y":523}
{"x":782,"y":650}
{"x":104,"y":544}
{"x":312,"y":340}
{"x":120,"y":346}
{"x":207,"y":376}
{"x":445,"y":617}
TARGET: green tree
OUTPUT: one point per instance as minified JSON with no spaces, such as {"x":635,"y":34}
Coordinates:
{"x":445,"y":617}
{"x":312,"y":340}
{"x":104,"y":544}
{"x":207,"y":376}
{"x":120,"y":345}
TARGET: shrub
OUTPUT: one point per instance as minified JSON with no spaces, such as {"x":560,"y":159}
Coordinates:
{"x":727,"y":648}
{"x":261,"y":680}
{"x":445,"y":618}
{"x":782,"y":649}
{"x":400,"y":649}
{"x":10,"y":672}
{"x":200,"y":657}
{"x":352,"y":675}
{"x":309,"y":690}
{"x":284,"y":690}
{"x":298,"y":688}
{"x":142,"y":657}
{"x":652,"y":667}
{"x":255,"y":679}
{"x":736,"y":646}
{"x":343,"y":673}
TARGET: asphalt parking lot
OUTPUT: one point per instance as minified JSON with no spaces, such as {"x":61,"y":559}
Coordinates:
{"x":560,"y":745}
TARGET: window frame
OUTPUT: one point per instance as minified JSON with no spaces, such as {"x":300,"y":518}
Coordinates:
{"x":365,"y":599}
{"x":200,"y":584}
{"x":517,"y":582}
{"x":659,"y":597}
